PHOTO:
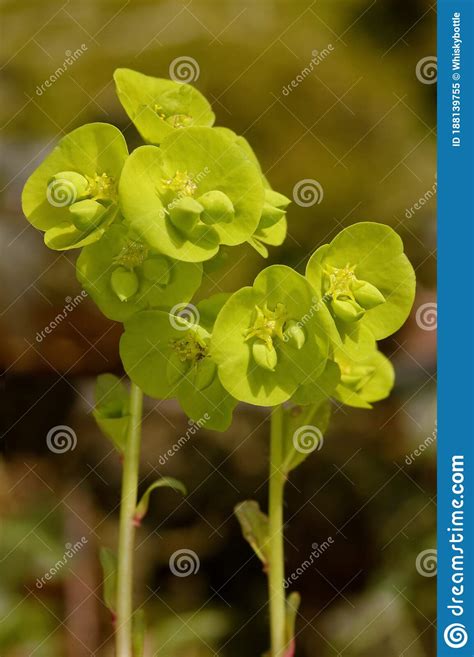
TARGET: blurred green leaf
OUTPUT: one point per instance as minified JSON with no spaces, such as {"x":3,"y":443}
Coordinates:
{"x":164,"y":482}
{"x":108,"y":560}
{"x":254,"y":524}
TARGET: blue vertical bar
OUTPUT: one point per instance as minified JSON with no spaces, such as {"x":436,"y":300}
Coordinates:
{"x":455,"y":328}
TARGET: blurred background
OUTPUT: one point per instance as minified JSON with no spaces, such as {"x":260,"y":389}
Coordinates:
{"x":362,"y":125}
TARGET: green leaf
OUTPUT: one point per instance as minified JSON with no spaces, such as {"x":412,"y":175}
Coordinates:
{"x":164,"y":482}
{"x":138,"y":633}
{"x":303,"y":433}
{"x":108,"y":560}
{"x":111,"y":411}
{"x":158,"y":107}
{"x":254,"y":525}
{"x":190,"y":163}
{"x":162,"y":281}
{"x":279,"y":295}
{"x":293,"y":602}
{"x":95,"y":152}
{"x":371,"y":253}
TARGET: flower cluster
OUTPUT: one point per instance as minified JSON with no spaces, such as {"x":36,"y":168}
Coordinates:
{"x":148,"y":221}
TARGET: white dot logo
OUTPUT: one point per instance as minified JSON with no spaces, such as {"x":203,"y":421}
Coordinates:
{"x":427,"y":563}
{"x":184,"y":562}
{"x":427,"y":70}
{"x":184,"y":69}
{"x":307,"y":192}
{"x":186,"y":312}
{"x":455,"y":635}
{"x":61,"y":193}
{"x":61,"y":439}
{"x":307,"y":438}
{"x":427,"y":316}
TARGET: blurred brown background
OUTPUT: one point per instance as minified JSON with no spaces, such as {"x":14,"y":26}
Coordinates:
{"x":362,"y":124}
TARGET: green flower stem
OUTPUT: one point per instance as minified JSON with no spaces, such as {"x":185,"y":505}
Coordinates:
{"x":131,"y":459}
{"x":276,"y":567}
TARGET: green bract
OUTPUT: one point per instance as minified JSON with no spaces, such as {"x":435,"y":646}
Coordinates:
{"x":366,"y":381}
{"x":158,"y":107}
{"x":272,"y":225}
{"x":270,"y":338}
{"x":365,"y":279}
{"x":72,"y":196}
{"x":169,"y":356}
{"x":123,"y":275}
{"x":111,"y":410}
{"x":192,"y":194}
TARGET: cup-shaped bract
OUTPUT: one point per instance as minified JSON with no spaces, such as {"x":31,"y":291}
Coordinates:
{"x":169,"y":356}
{"x":73,"y":196}
{"x":158,"y":107}
{"x":271,"y":338}
{"x":124,"y":275}
{"x":364,"y":382}
{"x":365,"y":279}
{"x":191,"y":194}
{"x":272,"y":225}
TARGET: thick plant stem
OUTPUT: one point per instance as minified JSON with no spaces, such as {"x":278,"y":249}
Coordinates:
{"x":276,"y":567}
{"x":131,"y":459}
